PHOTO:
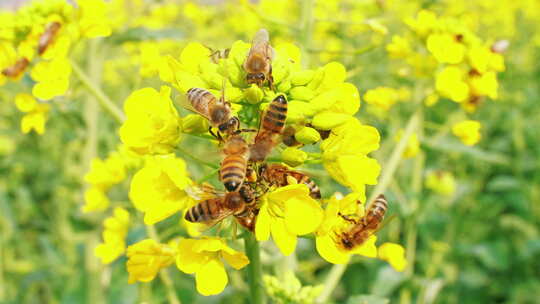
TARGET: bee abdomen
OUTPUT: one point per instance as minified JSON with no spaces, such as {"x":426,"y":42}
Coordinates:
{"x":233,"y":172}
{"x":200,"y":98}
{"x":276,"y":114}
{"x":377,"y":209}
{"x":202,"y":212}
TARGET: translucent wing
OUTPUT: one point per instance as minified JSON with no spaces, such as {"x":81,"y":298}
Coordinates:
{"x":260,"y":42}
{"x":203,"y":192}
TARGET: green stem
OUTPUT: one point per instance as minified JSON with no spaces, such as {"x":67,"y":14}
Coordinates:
{"x":337,"y":271}
{"x":254,"y":270}
{"x":195,"y":158}
{"x":95,"y":90}
{"x":164,"y":274}
{"x":306,"y":28}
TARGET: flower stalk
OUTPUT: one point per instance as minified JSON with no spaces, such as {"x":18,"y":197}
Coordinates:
{"x":254,"y":270}
{"x":337,"y":271}
{"x":95,"y":90}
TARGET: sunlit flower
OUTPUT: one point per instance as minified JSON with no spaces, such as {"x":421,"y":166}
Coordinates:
{"x":468,"y":131}
{"x":425,"y":22}
{"x":35,"y":113}
{"x":52,"y":78}
{"x":446,"y":48}
{"x":399,"y":47}
{"x":205,"y":258}
{"x":484,"y":85}
{"x":146,"y":258}
{"x":104,"y":174}
{"x":114,"y":236}
{"x":345,"y":155}
{"x":394,"y":254}
{"x":286,"y":213}
{"x":383,"y":97}
{"x":329,"y":232}
{"x":95,"y":199}
{"x":442,"y":182}
{"x":158,"y":189}
{"x":152,"y":125}
{"x":450,"y":83}
{"x":93,"y":20}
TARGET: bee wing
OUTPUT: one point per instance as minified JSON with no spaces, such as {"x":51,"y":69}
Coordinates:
{"x":203,"y":192}
{"x":184,"y":103}
{"x":223,"y":214}
{"x":385,"y":222}
{"x":260,"y":42}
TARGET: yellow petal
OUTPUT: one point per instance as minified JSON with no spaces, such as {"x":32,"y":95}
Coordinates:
{"x":329,"y":251}
{"x":211,"y":278}
{"x":285,"y":240}
{"x":302,"y":216}
{"x":394,"y":254}
{"x":368,"y":249}
{"x":187,"y":260}
{"x":262,"y":229}
{"x":237,"y":260}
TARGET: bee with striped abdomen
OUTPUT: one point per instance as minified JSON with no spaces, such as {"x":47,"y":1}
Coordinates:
{"x":217,"y":111}
{"x":280,"y":175}
{"x":16,"y":69}
{"x":258,"y":64}
{"x":365,"y":227}
{"x":234,"y":165}
{"x":48,"y":36}
{"x":271,"y":127}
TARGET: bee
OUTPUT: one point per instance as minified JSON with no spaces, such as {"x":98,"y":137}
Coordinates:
{"x":217,"y":111}
{"x":233,"y":167}
{"x":17,"y":69}
{"x":217,"y":55}
{"x":258,"y":64}
{"x":279,"y":175}
{"x":271,"y":126}
{"x":288,"y":138}
{"x":213,"y":210}
{"x":48,"y":37}
{"x":366,"y":226}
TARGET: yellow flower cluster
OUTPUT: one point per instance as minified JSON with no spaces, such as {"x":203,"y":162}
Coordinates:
{"x":468,"y":131}
{"x":463,"y":66}
{"x":35,"y":113}
{"x":114,"y":236}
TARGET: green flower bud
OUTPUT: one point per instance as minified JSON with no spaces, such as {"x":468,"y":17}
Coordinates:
{"x":307,"y":136}
{"x":284,"y":86}
{"x":194,"y":124}
{"x":329,"y":120}
{"x":293,"y":156}
{"x":301,"y":78}
{"x":254,"y":94}
{"x":301,"y":93}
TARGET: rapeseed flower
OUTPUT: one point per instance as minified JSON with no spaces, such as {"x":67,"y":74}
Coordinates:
{"x":446,"y":48}
{"x":159,"y":188}
{"x":442,"y":182}
{"x":468,"y":131}
{"x":114,"y":236}
{"x":205,"y":258}
{"x":345,"y":155}
{"x":146,"y":258}
{"x":152,"y":125}
{"x":106,"y":173}
{"x":93,"y":19}
{"x":95,"y":199}
{"x":35,"y":115}
{"x":413,"y":144}
{"x":286,"y":213}
{"x":52,"y":78}
{"x":450,"y":83}
{"x":394,"y":254}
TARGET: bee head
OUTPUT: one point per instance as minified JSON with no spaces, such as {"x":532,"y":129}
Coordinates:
{"x":230,"y":125}
{"x":347,"y":243}
{"x":255,"y":78}
{"x":247,"y":194}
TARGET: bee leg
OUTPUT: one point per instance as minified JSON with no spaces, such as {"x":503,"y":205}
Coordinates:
{"x":271,"y":80}
{"x":347,"y":218}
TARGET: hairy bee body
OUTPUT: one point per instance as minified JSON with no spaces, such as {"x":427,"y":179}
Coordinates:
{"x":48,"y":37}
{"x":365,"y":227}
{"x":233,"y":167}
{"x":278,"y":174}
{"x":17,"y":69}
{"x":272,"y":124}
{"x":217,"y":111}
{"x":258,"y":64}
{"x":237,"y":203}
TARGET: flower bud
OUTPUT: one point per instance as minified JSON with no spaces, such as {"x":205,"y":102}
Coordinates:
{"x":316,"y":80}
{"x":194,"y":124}
{"x":254,"y":94}
{"x":293,"y":156}
{"x":301,"y":93}
{"x":285,"y":86}
{"x":329,"y":120}
{"x":307,"y":136}
{"x":302,"y":78}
